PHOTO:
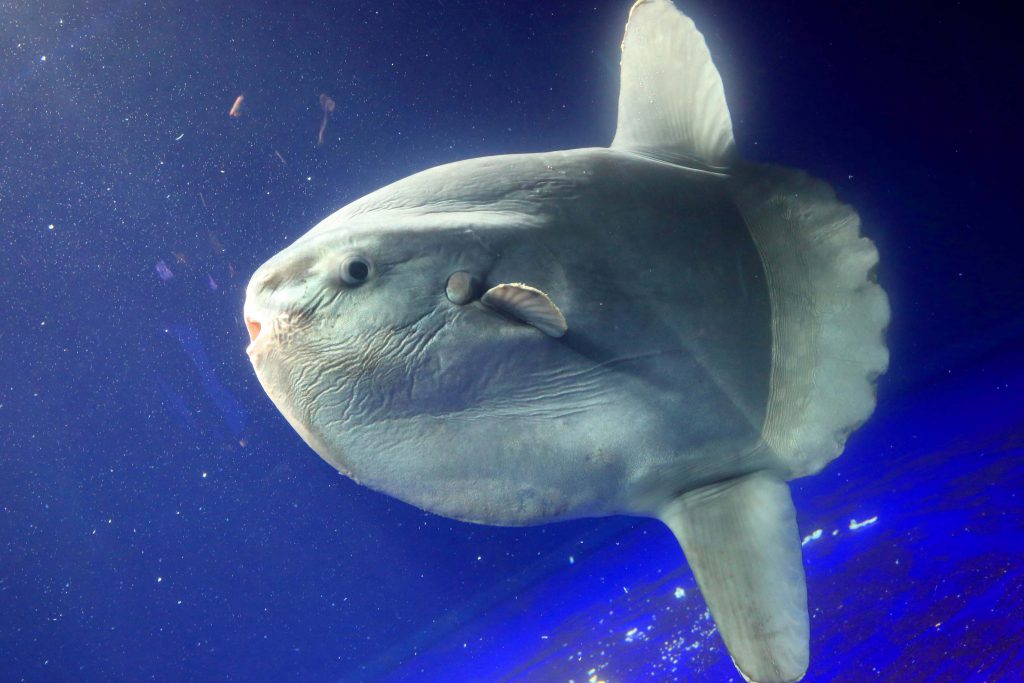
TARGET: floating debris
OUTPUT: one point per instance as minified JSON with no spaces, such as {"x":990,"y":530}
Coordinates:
{"x":163,"y":271}
{"x":236,"y":108}
{"x":634,"y":634}
{"x":327,"y":104}
{"x":854,"y":524}
{"x":811,"y":537}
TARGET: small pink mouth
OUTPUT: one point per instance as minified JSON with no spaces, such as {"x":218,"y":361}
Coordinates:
{"x":254,"y":332}
{"x":254,"y":329}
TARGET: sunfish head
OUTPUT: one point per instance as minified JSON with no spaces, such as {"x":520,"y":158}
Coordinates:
{"x":377,"y":337}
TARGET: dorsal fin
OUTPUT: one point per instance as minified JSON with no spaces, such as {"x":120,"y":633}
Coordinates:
{"x":671,"y":101}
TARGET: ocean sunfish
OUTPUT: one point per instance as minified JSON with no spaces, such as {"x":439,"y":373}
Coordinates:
{"x":654,"y":328}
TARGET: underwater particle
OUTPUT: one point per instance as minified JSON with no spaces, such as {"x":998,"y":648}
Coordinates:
{"x":679,"y":593}
{"x":236,"y":108}
{"x":163,"y":271}
{"x":211,"y":283}
{"x":216,"y":243}
{"x":278,"y":154}
{"x":50,"y":226}
{"x":854,"y":524}
{"x":179,"y":137}
{"x":811,"y":537}
{"x":634,"y":634}
{"x":327,"y":104}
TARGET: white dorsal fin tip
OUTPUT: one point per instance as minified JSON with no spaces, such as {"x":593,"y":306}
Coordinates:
{"x":671,"y":100}
{"x":527,"y":304}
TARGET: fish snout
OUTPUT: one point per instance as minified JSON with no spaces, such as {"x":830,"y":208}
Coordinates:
{"x":278,"y":285}
{"x":258,"y":316}
{"x":258,"y":311}
{"x":255,"y":327}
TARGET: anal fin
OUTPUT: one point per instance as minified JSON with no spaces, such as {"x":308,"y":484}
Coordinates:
{"x":741,"y":541}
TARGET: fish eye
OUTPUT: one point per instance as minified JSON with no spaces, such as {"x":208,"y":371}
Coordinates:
{"x":355,"y":270}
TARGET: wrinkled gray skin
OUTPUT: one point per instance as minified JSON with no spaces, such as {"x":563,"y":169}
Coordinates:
{"x":658,"y":387}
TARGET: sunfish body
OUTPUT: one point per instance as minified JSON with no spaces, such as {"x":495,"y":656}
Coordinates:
{"x":655,"y":328}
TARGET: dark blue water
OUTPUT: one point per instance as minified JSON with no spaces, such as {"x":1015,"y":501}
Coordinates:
{"x":160,"y":521}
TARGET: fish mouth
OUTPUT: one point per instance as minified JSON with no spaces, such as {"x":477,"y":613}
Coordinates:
{"x":254,"y":327}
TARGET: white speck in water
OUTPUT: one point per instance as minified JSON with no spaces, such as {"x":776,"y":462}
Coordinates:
{"x":634,"y":634}
{"x":812,"y":537}
{"x":854,"y":524}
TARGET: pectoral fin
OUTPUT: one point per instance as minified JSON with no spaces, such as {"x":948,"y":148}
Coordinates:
{"x":527,"y":304}
{"x":741,"y":541}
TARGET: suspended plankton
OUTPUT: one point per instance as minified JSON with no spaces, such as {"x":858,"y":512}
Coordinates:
{"x":327,"y":104}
